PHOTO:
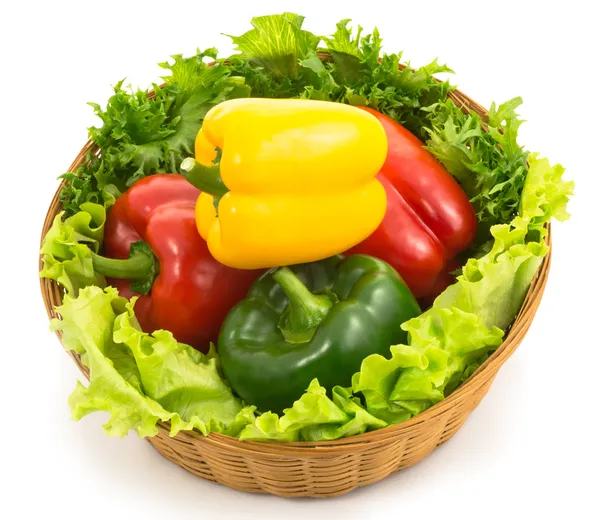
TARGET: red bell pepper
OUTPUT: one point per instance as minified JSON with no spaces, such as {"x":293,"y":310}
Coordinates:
{"x":428,"y":220}
{"x":151,"y":239}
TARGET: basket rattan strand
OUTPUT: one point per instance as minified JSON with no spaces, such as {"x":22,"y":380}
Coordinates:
{"x":329,"y":468}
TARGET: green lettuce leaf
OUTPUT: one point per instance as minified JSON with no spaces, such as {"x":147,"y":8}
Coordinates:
{"x":442,"y":343}
{"x":178,"y":377}
{"x":494,"y":285}
{"x":67,"y":248}
{"x":314,"y":417}
{"x":359,"y":419}
{"x":115,"y":386}
{"x":276,"y":43}
{"x":141,"y":379}
{"x":545,"y":194}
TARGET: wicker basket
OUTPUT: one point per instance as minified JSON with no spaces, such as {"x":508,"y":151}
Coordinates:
{"x":328,"y":468}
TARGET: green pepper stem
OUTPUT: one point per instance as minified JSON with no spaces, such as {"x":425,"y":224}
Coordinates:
{"x":305,"y":311}
{"x":135,"y":267}
{"x":205,"y":178}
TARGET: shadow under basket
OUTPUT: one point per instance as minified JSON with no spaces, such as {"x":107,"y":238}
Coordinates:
{"x":327,"y":468}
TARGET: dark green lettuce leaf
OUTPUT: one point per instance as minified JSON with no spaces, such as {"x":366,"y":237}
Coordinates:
{"x":490,"y":165}
{"x":141,"y":135}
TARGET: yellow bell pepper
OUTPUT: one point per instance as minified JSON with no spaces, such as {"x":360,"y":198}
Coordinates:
{"x":295,"y":183}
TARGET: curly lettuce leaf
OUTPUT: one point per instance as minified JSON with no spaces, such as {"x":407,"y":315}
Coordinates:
{"x":142,"y":135}
{"x":67,"y":248}
{"x":490,"y":165}
{"x":365,"y":76}
{"x":141,"y":379}
{"x":359,"y":419}
{"x":494,"y":286}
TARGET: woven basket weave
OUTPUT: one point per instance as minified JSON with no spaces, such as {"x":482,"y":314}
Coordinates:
{"x":328,"y":468}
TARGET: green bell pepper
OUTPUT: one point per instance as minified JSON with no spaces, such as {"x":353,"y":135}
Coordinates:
{"x":316,"y":320}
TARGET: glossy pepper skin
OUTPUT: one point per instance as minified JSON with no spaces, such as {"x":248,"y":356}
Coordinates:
{"x":313,"y":320}
{"x":428,"y":220}
{"x":298,"y":179}
{"x":192,"y":292}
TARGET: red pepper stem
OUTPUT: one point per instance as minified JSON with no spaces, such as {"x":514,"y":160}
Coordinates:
{"x":141,"y":267}
{"x":135,"y":267}
{"x":205,"y":178}
{"x":305,"y":310}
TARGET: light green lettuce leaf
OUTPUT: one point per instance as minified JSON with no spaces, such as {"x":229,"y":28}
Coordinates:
{"x":442,"y":343}
{"x":313,"y":408}
{"x":466,"y":322}
{"x":178,"y":377}
{"x":315,"y":417}
{"x":87,"y":327}
{"x":451,"y":340}
{"x":545,"y":194}
{"x":494,"y":286}
{"x":276,"y":43}
{"x":140,"y":379}
{"x":67,"y":248}
{"x":267,"y":427}
{"x":358,"y":419}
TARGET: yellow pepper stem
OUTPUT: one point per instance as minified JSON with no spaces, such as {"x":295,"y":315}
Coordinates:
{"x":205,"y":178}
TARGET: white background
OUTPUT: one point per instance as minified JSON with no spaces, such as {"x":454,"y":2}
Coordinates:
{"x":531,"y":448}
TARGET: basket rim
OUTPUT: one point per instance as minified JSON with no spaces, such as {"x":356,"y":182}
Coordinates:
{"x":479,"y":378}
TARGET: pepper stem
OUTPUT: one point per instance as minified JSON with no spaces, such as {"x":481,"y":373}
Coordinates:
{"x":305,"y":310}
{"x":205,"y":178}
{"x":141,"y":267}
